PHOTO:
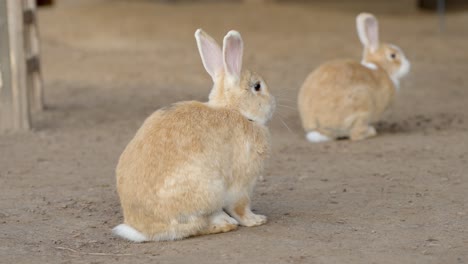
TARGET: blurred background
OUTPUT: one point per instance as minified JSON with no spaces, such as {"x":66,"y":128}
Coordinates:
{"x":144,"y":45}
{"x":108,"y":64}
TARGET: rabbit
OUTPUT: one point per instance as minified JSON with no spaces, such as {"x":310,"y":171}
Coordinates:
{"x":191,"y":168}
{"x":343,"y":98}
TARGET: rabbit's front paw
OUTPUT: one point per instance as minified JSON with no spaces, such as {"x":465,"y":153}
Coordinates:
{"x":252,"y":219}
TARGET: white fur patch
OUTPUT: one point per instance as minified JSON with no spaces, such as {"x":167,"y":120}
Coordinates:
{"x":405,"y":67}
{"x":403,"y":70}
{"x":369,"y":65}
{"x":396,"y":83}
{"x":316,"y":137}
{"x":129,"y":233}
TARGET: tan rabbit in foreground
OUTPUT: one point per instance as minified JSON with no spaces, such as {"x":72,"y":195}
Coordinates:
{"x":343,"y":98}
{"x":191,"y":168}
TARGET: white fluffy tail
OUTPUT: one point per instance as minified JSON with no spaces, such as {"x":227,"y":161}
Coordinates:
{"x":316,"y":137}
{"x":129,"y":233}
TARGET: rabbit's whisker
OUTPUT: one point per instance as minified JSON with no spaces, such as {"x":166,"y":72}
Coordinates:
{"x":284,"y":123}
{"x":288,"y":95}
{"x":289,"y":100}
{"x":286,"y":106}
{"x":279,"y":93}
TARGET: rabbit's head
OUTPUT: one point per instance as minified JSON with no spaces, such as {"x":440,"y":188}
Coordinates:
{"x":388,"y":56}
{"x":234,"y":88}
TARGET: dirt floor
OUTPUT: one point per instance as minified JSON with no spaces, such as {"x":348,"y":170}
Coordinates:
{"x":401,"y":197}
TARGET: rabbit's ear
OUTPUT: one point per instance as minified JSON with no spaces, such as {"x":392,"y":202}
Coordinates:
{"x":210,"y":53}
{"x":233,"y":48}
{"x":368,"y":31}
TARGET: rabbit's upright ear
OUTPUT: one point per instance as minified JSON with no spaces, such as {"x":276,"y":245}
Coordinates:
{"x":210,"y":53}
{"x":368,"y":31}
{"x":233,"y":48}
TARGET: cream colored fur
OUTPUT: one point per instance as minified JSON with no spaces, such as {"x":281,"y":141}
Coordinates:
{"x":193,"y":162}
{"x":343,"y":98}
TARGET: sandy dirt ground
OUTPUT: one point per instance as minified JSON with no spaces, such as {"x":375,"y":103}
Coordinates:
{"x":401,"y":197}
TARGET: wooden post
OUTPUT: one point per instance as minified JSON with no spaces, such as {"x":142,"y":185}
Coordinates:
{"x":32,"y":53}
{"x":14,"y":99}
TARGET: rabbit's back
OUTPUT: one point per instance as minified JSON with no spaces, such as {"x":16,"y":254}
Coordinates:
{"x":185,"y":158}
{"x":339,"y":90}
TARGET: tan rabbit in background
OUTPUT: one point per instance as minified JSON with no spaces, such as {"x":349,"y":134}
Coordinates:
{"x":343,"y":98}
{"x":191,"y":168}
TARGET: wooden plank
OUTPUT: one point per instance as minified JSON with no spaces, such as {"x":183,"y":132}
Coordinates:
{"x":29,"y":16}
{"x":32,"y":47}
{"x":14,"y":102}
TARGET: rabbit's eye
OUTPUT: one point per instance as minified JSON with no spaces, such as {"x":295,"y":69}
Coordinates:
{"x":257,"y":86}
{"x":393,"y":55}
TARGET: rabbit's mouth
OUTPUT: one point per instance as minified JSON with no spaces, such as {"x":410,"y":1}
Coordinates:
{"x":404,"y":69}
{"x":401,"y":72}
{"x":260,"y":111}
